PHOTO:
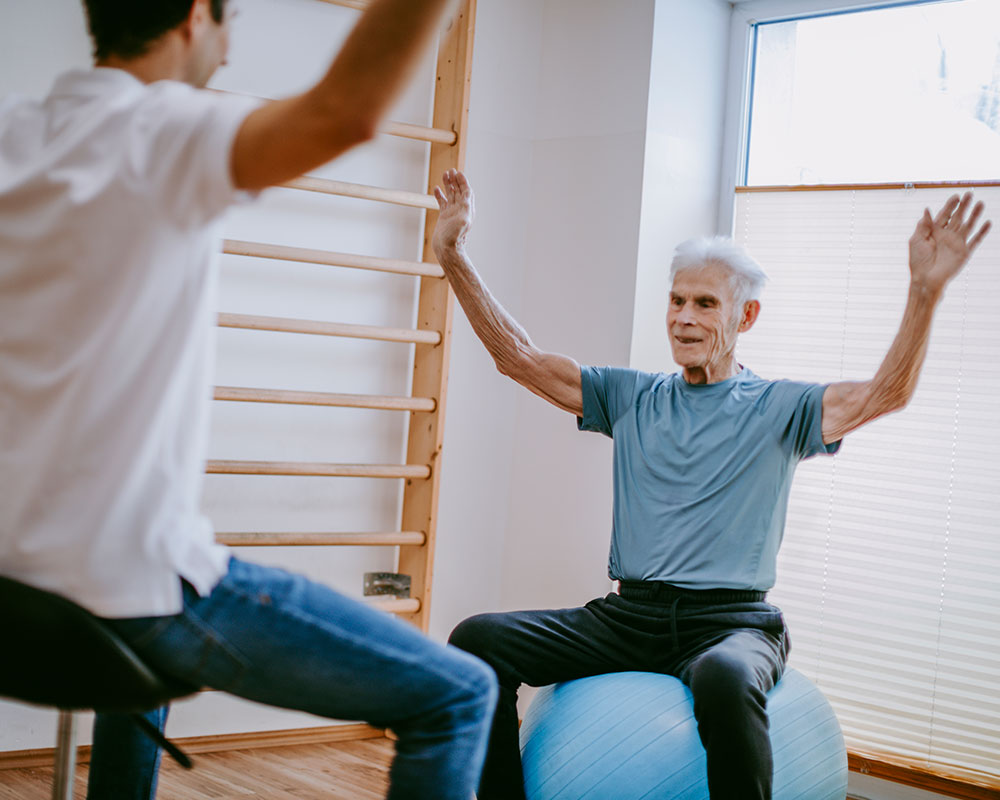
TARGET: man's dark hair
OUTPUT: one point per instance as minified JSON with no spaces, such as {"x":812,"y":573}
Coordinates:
{"x":126,"y":28}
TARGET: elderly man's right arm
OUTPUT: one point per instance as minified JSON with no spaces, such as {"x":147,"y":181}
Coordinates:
{"x":554,"y":377}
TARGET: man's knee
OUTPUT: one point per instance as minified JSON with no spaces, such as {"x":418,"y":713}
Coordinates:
{"x":462,"y":702}
{"x":477,"y":634}
{"x":479,"y":680}
{"x":723,"y":683}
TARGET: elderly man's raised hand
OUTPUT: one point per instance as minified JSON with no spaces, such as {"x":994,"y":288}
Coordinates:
{"x":458,"y":208}
{"x":940,"y":246}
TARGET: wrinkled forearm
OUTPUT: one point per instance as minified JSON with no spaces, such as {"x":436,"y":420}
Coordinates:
{"x":848,"y":406}
{"x":501,"y":335}
{"x":896,"y":379}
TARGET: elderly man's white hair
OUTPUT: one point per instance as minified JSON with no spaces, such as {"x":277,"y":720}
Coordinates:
{"x":746,"y":276}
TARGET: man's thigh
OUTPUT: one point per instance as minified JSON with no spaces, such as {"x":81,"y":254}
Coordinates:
{"x":281,"y":639}
{"x":541,"y":647}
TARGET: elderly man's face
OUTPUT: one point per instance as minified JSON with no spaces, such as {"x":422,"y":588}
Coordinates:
{"x":703,"y":320}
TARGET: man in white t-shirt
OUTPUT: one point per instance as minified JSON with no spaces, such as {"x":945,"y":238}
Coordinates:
{"x":111,"y":193}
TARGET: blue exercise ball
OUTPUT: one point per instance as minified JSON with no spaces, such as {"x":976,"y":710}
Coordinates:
{"x":631,"y":735}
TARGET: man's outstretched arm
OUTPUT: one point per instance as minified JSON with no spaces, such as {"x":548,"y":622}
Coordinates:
{"x":551,"y":376}
{"x":284,"y":139}
{"x":939,"y":248}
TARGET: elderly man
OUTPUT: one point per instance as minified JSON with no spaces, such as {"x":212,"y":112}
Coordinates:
{"x":703,"y":463}
{"x":111,"y":193}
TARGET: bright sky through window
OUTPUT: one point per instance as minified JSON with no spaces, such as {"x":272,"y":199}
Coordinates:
{"x":902,"y":94}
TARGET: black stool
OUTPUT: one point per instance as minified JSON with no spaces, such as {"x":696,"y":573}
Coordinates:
{"x":58,"y":654}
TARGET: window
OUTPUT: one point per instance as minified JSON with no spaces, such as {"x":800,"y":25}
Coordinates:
{"x":890,"y":570}
{"x":907,"y":93}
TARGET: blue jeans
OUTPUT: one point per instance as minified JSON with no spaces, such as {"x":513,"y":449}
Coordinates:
{"x":281,"y":639}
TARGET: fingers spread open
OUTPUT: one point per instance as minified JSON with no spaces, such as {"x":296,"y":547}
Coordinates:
{"x":969,"y":226}
{"x":980,"y":235}
{"x":958,"y":217}
{"x":925,"y":227}
{"x":946,"y":211}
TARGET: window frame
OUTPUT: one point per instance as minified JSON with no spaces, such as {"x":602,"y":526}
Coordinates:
{"x":745,"y":17}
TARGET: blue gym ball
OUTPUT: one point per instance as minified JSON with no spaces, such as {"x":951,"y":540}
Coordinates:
{"x":631,"y":735}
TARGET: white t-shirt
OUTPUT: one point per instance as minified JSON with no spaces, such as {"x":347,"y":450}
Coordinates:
{"x":111,"y":192}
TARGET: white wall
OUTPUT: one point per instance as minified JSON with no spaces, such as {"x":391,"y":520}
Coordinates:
{"x":582,"y":201}
{"x":680,"y":192}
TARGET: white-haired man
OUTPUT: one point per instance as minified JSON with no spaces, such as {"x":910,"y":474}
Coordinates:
{"x":703,"y":464}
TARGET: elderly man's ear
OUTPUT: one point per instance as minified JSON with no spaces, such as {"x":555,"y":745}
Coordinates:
{"x":751,"y":310}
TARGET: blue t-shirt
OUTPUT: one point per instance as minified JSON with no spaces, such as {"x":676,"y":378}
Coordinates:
{"x":701,"y":472}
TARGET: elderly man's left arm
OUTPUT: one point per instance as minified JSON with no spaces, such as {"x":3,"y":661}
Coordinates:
{"x":939,"y":249}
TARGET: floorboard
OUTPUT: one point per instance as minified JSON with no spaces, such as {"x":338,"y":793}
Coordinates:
{"x":337,"y":770}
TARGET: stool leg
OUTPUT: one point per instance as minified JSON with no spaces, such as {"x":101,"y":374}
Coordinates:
{"x":62,"y":784}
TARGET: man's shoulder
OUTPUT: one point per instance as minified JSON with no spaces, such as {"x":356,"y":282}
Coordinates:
{"x":613,"y":372}
{"x":15,"y":110}
{"x":623,"y":384}
{"x":652,"y":381}
{"x":750,"y":380}
{"x":13,"y":103}
{"x":775,"y":392}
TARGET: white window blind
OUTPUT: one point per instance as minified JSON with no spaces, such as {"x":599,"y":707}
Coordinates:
{"x":889,"y":574}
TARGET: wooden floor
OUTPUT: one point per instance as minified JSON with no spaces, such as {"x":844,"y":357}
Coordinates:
{"x":343,"y":770}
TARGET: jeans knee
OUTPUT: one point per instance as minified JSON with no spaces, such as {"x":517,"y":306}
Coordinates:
{"x":483,"y":680}
{"x":476,"y":678}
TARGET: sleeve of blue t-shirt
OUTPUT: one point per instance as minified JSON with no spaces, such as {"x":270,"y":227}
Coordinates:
{"x":608,"y":392}
{"x":797,"y":410}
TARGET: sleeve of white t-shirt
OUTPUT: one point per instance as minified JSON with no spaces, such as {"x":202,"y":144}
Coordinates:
{"x":181,"y":147}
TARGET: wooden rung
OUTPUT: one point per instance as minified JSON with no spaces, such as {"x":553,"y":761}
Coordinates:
{"x":318,"y":469}
{"x":358,"y":4}
{"x":410,"y":605}
{"x":305,"y":255}
{"x":254,"y":539}
{"x":422,"y":133}
{"x":288,"y":325}
{"x":363,"y":192}
{"x":386,"y":402}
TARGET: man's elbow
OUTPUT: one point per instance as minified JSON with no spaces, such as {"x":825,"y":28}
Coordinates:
{"x":508,"y":367}
{"x":364,"y":130}
{"x":900,"y":402}
{"x":345,"y":134}
{"x":513,"y":364}
{"x":889,"y":400}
